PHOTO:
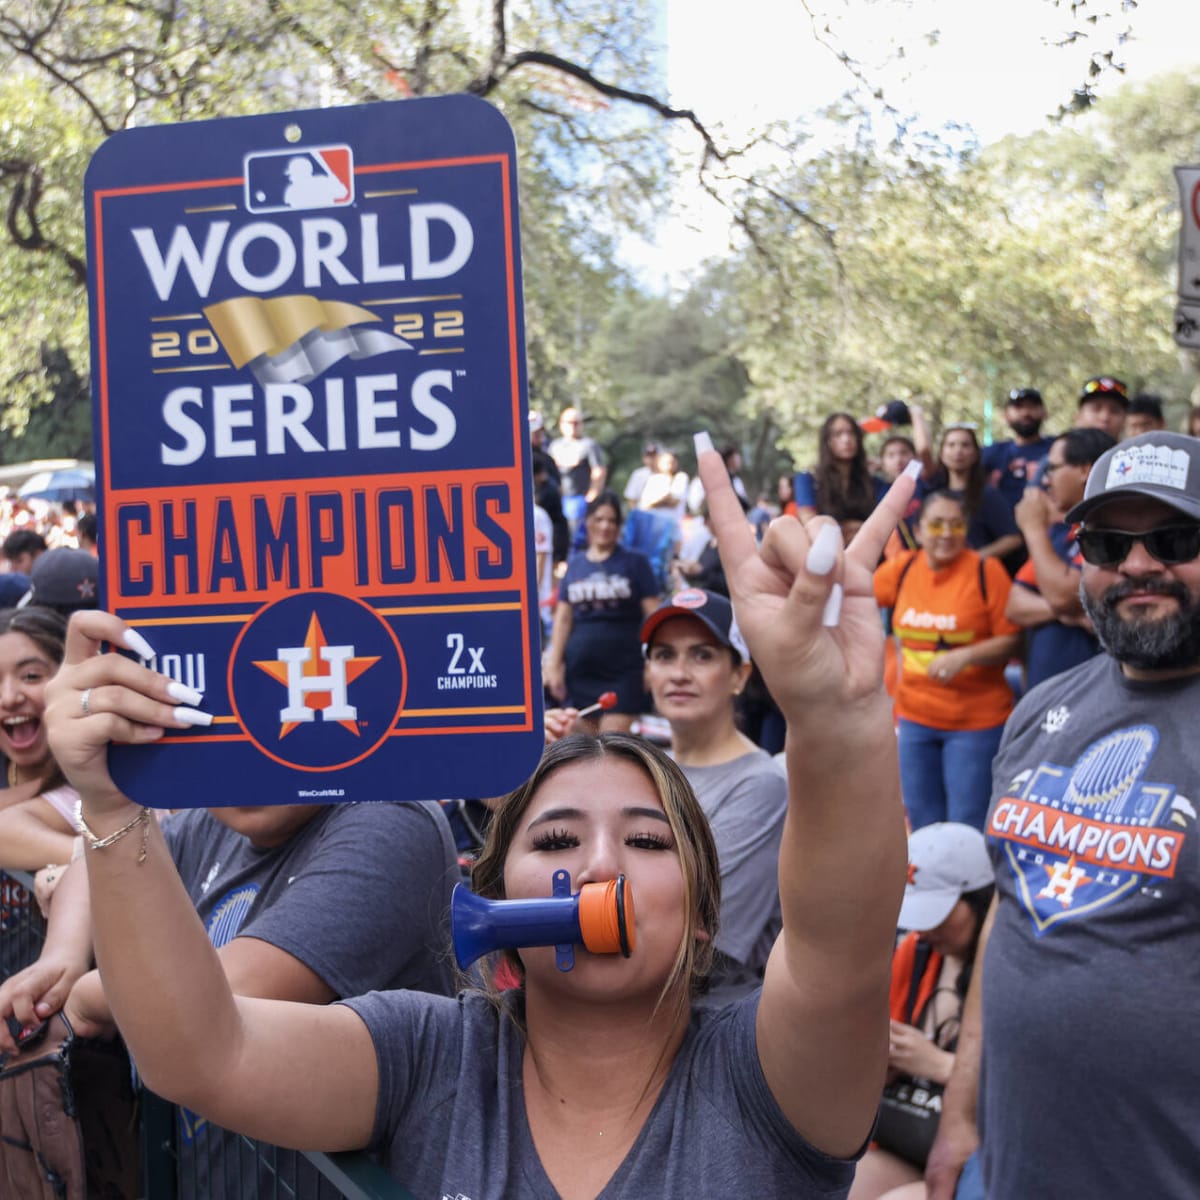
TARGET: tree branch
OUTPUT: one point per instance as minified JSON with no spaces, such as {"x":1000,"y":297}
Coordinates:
{"x":486,"y":84}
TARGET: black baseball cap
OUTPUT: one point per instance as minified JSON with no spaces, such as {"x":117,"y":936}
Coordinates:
{"x":1025,"y":395}
{"x":1101,"y":387}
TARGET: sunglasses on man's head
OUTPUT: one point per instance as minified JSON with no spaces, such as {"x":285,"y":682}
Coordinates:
{"x":1105,"y":384}
{"x":1169,"y":544}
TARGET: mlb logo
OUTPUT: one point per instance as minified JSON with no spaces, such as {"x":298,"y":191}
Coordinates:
{"x":303,"y":178}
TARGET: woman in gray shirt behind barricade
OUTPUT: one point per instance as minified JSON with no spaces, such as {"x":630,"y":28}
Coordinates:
{"x":599,"y":1081}
{"x":697,"y":664}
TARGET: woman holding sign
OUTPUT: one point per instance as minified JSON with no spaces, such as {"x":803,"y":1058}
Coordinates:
{"x":600,"y":1080}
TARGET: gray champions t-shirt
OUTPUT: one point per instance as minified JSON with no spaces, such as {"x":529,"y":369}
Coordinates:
{"x":1092,"y":972}
{"x":360,"y":895}
{"x":451,"y":1118}
{"x":745,"y":801}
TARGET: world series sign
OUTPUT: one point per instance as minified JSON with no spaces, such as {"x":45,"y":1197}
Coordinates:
{"x":313,"y":477}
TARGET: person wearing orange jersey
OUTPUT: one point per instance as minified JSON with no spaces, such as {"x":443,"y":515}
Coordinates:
{"x":952,"y":698}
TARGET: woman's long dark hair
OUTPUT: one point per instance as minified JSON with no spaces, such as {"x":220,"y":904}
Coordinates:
{"x":973,"y":493}
{"x":849,"y":500}
{"x":978,"y":901}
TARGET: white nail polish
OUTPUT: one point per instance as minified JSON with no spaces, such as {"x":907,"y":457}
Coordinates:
{"x":914,"y":469}
{"x":822,"y":554}
{"x":183,"y":693}
{"x":138,"y":644}
{"x":702,"y":442}
{"x":833,"y":607}
{"x":192,"y":716}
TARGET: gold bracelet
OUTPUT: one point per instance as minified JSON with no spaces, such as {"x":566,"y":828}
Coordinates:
{"x":95,"y":843}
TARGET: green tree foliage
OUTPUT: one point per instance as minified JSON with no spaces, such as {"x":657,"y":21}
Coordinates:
{"x":666,"y":368}
{"x":575,"y":78}
{"x":951,"y":276}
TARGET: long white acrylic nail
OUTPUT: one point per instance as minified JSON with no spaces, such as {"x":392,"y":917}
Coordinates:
{"x":183,"y":693}
{"x":138,"y":644}
{"x":833,"y":606}
{"x":822,"y":554}
{"x":702,"y":442}
{"x":192,"y":716}
{"x":914,"y":469}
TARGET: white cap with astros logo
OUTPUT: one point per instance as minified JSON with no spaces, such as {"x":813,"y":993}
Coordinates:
{"x":944,"y":861}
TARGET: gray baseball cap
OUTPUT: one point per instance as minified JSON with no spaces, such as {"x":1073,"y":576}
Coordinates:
{"x":1162,"y":466}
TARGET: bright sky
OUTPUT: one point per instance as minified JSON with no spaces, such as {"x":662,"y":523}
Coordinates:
{"x":741,"y":64}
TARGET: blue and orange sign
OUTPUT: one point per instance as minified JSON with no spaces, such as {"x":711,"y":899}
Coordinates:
{"x":309,"y":394}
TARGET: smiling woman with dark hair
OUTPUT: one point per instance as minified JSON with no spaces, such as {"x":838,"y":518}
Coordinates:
{"x":35,"y":808}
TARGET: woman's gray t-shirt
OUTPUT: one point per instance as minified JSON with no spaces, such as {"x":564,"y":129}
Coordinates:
{"x":451,"y":1118}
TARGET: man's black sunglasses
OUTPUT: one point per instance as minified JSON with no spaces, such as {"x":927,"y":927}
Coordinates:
{"x":1169,"y":544}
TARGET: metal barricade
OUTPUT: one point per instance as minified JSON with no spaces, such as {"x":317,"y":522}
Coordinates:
{"x":232,"y":1167}
{"x":22,"y":927}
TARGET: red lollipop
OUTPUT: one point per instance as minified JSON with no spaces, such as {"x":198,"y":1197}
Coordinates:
{"x":607,"y":700}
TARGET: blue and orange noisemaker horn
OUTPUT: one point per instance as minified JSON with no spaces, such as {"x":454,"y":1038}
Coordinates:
{"x":599,"y":917}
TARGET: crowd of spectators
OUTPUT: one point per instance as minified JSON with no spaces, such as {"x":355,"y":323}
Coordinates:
{"x":978,"y":592}
{"x":1022,"y":620}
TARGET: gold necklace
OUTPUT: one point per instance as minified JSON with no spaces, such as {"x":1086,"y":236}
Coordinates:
{"x":14,"y":775}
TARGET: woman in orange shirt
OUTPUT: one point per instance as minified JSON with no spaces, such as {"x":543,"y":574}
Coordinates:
{"x":952,"y":699}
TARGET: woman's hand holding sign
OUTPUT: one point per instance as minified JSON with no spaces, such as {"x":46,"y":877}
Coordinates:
{"x":99,"y":698}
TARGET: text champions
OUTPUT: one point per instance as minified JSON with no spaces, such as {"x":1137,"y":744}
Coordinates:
{"x":244,"y":541}
{"x":397,"y":521}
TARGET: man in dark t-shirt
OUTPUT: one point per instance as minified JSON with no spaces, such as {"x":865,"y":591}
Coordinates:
{"x":1045,"y":598}
{"x":1011,"y":465}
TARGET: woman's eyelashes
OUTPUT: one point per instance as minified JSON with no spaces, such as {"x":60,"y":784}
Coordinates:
{"x":650,"y":841}
{"x":555,"y":839}
{"x":564,"y":839}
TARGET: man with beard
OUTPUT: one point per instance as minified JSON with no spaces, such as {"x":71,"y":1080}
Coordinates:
{"x":1010,"y":466}
{"x":1093,"y":939}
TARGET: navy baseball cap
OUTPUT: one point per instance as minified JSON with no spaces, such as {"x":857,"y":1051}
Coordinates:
{"x":64,"y":579}
{"x":13,"y":586}
{"x":1025,"y":395}
{"x":710,"y":608}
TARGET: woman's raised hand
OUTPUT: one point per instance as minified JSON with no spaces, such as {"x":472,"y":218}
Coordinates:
{"x":99,"y":698}
{"x":805,"y":605}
